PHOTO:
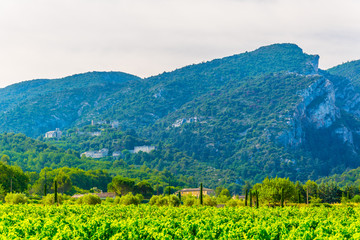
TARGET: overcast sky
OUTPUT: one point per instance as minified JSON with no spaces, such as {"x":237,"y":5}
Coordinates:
{"x":57,"y":38}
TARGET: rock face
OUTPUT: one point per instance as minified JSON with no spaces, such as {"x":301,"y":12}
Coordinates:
{"x":317,"y":109}
{"x":320,"y":109}
{"x":345,"y":135}
{"x":318,"y":104}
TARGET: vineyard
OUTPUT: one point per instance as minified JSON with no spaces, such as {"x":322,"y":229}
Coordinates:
{"x":150,"y":222}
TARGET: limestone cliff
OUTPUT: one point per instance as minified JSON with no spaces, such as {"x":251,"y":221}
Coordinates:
{"x":320,"y":108}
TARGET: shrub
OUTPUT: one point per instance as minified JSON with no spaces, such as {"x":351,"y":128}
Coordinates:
{"x":15,"y":198}
{"x":117,"y":200}
{"x":315,"y":200}
{"x":356,"y":199}
{"x":129,"y":199}
{"x":162,"y":201}
{"x":154,"y":199}
{"x":222,"y":199}
{"x":109,"y":200}
{"x":190,"y":201}
{"x":49,"y":199}
{"x":174,"y":201}
{"x":90,"y":199}
{"x":70,"y":201}
{"x":140,"y":197}
{"x":345,"y":200}
{"x":171,"y":200}
{"x":232,"y":203}
{"x":2,"y":193}
{"x":210,"y":201}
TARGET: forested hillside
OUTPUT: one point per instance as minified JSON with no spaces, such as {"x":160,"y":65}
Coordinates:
{"x":35,"y":157}
{"x":350,"y":70}
{"x":35,"y":107}
{"x":269,"y":112}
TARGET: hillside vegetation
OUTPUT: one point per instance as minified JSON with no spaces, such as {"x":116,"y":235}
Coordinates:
{"x":269,"y":112}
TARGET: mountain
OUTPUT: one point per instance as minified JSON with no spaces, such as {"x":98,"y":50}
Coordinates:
{"x":35,"y":107}
{"x":350,"y":70}
{"x":269,"y":112}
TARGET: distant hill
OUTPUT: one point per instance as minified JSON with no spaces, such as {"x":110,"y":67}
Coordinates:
{"x":35,"y":107}
{"x":269,"y":112}
{"x":350,"y":70}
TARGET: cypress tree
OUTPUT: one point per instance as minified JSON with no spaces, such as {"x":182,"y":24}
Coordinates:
{"x":201,"y":193}
{"x":179,"y":195}
{"x":55,"y":193}
{"x":257,"y":199}
{"x":299,"y":196}
{"x":246,"y":197}
{"x":282,"y":198}
{"x":45,"y":186}
{"x":250,"y":198}
{"x":307,"y":194}
{"x":169,"y":187}
{"x":348,"y":194}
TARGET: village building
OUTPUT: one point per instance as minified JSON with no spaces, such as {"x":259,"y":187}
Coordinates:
{"x":115,"y":124}
{"x":97,"y":154}
{"x":146,"y":149}
{"x":240,"y":197}
{"x":196,"y":192}
{"x":95,"y":134}
{"x":117,"y":154}
{"x":54,"y":134}
{"x":101,"y":195}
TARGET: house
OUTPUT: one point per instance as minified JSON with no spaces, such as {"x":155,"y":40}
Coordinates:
{"x":95,"y":134}
{"x":196,"y":192}
{"x":102,"y":195}
{"x":240,"y":197}
{"x":97,"y":154}
{"x":53,"y":134}
{"x":117,"y":154}
{"x":146,"y":149}
{"x":115,"y":124}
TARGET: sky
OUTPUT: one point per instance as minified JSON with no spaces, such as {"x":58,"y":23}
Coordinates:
{"x":58,"y":38}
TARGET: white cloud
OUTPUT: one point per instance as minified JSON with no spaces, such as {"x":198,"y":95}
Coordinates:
{"x":53,"y":38}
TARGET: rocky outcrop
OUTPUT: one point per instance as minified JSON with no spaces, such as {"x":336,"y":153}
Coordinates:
{"x":346,"y":97}
{"x":312,"y":65}
{"x":345,"y":135}
{"x":316,"y":110}
{"x":320,"y":108}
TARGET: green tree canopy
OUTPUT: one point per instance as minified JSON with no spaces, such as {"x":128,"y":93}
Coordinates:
{"x":121,"y":185}
{"x":13,"y":177}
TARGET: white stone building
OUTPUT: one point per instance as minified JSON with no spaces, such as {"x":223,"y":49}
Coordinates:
{"x":97,"y":154}
{"x":54,"y":134}
{"x":146,"y":149}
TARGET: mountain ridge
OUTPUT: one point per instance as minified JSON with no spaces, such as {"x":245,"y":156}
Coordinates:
{"x":269,"y":112}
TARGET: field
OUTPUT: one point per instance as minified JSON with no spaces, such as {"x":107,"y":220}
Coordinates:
{"x":149,"y":222}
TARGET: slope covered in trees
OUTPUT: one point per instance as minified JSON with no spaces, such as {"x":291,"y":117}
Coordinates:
{"x":20,"y":153}
{"x":350,"y":70}
{"x":269,"y":112}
